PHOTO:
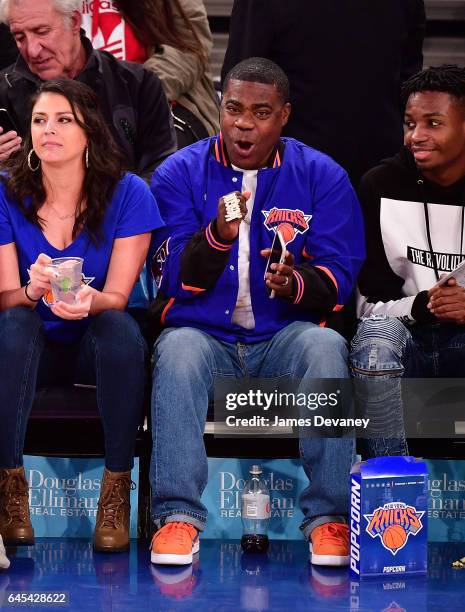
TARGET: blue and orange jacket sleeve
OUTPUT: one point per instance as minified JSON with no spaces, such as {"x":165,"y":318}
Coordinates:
{"x":191,"y":257}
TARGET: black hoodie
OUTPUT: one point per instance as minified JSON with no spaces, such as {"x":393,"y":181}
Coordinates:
{"x":404,"y":259}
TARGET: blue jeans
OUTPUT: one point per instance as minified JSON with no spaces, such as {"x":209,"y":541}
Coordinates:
{"x":111,"y":354}
{"x":186,"y":362}
{"x":384,"y":350}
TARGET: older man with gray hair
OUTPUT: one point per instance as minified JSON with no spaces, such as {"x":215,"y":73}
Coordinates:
{"x":52,"y":45}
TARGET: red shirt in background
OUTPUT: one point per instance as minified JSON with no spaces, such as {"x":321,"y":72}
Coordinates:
{"x":108,"y":31}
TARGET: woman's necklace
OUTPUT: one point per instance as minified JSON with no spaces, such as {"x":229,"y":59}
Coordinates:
{"x":62,"y":217}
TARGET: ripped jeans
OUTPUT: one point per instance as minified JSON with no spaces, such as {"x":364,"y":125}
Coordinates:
{"x":384,"y":350}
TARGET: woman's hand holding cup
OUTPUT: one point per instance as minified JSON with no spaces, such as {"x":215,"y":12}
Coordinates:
{"x":39,"y":277}
{"x":80,"y":309}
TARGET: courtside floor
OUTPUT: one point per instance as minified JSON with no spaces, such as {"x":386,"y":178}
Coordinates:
{"x":222,"y":579}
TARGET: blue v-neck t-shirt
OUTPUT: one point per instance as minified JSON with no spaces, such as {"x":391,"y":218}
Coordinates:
{"x":132,"y":211}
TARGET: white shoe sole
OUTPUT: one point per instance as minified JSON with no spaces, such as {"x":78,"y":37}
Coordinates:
{"x":331,"y":560}
{"x":169,"y":559}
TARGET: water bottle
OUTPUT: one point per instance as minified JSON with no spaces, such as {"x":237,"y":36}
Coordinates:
{"x":255,"y":513}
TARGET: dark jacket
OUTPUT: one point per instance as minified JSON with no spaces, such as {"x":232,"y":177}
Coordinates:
{"x":414,"y":233}
{"x":132,"y":102}
{"x":8,"y":48}
{"x":345,"y":60}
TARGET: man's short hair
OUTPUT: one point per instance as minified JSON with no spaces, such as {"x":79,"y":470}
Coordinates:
{"x":66,"y":7}
{"x":260,"y":70}
{"x":448,"y":78}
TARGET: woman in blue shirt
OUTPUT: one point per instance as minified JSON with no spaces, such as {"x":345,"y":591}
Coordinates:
{"x":64,"y":194}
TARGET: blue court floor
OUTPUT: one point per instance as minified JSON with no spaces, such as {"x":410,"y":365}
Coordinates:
{"x":222,"y":579}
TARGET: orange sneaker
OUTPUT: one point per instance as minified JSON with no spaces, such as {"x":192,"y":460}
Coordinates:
{"x":329,"y":544}
{"x":175,"y":544}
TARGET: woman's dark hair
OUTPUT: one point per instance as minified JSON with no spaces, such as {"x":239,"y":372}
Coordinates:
{"x":154,"y":24}
{"x":101,"y":176}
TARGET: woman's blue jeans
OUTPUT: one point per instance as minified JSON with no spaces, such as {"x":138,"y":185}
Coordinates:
{"x":111,"y":355}
{"x":383,"y":351}
{"x":186,"y":362}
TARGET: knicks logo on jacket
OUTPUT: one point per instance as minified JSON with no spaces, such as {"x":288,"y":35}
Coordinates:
{"x":288,"y":222}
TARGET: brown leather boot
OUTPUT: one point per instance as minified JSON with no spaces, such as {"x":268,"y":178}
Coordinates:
{"x":15,"y":522}
{"x":112,"y":525}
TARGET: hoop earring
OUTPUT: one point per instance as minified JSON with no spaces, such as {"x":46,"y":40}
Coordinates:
{"x":29,"y":162}
{"x":87,"y":157}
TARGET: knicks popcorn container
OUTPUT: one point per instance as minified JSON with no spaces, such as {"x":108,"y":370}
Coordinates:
{"x":388,"y":512}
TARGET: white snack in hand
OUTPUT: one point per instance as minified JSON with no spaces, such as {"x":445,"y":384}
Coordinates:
{"x":232,"y":205}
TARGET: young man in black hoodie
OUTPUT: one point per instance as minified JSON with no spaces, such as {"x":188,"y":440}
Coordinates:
{"x":413,"y":205}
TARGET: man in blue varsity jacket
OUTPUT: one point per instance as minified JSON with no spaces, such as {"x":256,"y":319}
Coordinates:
{"x":215,"y":304}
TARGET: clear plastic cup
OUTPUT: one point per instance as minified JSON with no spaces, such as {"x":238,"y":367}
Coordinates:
{"x":67,"y":278}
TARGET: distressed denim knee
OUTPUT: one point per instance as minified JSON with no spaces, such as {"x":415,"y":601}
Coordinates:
{"x":377,"y":363}
{"x":378,"y":348}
